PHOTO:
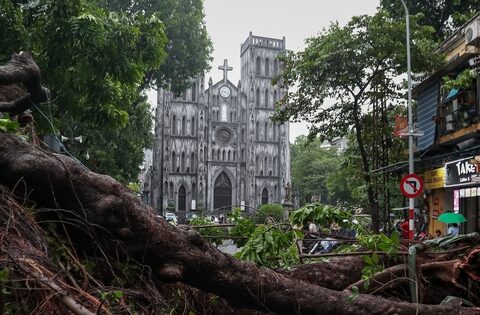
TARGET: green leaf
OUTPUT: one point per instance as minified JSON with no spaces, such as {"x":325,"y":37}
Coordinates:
{"x":355,"y":292}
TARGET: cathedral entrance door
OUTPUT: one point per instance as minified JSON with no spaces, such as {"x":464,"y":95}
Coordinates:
{"x":222,"y":194}
{"x":182,"y":199}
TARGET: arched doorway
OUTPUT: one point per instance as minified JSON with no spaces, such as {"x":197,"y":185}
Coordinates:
{"x":264,"y":196}
{"x":222,"y":194}
{"x":182,"y":199}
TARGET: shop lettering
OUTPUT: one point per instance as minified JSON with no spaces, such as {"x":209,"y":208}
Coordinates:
{"x":465,"y":168}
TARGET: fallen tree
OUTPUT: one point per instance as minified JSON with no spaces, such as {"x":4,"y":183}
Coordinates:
{"x":100,"y":216}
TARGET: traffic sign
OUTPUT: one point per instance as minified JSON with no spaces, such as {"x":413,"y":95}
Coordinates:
{"x":411,"y":185}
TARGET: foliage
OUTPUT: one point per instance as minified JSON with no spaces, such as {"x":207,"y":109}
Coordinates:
{"x":189,"y":47}
{"x":311,"y":166}
{"x":273,"y":211}
{"x":463,"y":80}
{"x":271,"y":246}
{"x":96,"y":57}
{"x":171,"y":206}
{"x":135,"y":186}
{"x":381,"y":242}
{"x":8,"y":125}
{"x":244,"y":227}
{"x":351,"y":67}
{"x":444,"y":16}
{"x":323,"y":215}
{"x":210,"y":231}
{"x":376,"y":242}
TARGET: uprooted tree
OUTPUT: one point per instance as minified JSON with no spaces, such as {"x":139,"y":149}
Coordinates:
{"x":49,"y":199}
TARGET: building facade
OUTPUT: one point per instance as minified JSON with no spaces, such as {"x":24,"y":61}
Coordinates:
{"x":449,"y":117}
{"x":215,"y":146}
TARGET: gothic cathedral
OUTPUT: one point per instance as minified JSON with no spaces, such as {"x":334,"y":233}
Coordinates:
{"x":216,"y":148}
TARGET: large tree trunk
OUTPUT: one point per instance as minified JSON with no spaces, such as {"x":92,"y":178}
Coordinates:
{"x":58,"y":182}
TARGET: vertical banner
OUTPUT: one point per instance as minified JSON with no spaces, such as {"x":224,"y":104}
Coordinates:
{"x":456,"y":201}
{"x":401,"y":123}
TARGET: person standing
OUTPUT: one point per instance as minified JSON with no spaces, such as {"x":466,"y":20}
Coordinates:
{"x":453,"y":229}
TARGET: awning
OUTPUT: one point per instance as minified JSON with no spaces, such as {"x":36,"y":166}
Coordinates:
{"x":451,"y":95}
{"x":426,"y":111}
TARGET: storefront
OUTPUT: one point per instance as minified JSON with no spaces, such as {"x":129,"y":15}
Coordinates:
{"x":436,"y":198}
{"x":462,"y":183}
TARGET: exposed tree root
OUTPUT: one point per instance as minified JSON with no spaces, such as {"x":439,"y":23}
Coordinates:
{"x":57,"y":182}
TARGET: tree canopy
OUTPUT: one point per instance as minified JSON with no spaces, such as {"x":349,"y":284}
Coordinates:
{"x":98,"y":56}
{"x":346,"y":69}
{"x":444,"y":16}
{"x":311,"y":166}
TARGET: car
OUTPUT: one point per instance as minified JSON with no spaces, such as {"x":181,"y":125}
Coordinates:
{"x":171,"y":217}
{"x":190,"y":216}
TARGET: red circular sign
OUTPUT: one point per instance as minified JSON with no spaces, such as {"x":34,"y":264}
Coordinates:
{"x":411,"y":185}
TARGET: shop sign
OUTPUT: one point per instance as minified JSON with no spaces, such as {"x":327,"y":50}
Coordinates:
{"x":456,"y":201}
{"x":461,"y":173}
{"x":435,"y":178}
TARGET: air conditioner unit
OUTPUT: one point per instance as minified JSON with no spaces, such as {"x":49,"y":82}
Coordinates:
{"x":472,"y":32}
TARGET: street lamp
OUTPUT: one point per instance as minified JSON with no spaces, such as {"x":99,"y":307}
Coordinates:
{"x":410,"y":133}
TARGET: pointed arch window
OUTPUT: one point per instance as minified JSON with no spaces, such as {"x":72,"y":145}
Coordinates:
{"x":258,"y":66}
{"x":223,"y":155}
{"x":257,"y":164}
{"x":213,"y":154}
{"x":275,"y":97}
{"x":265,"y":165}
{"x":224,"y":113}
{"x":265,"y":134}
{"x":234,"y":156}
{"x":274,"y":132}
{"x":194,"y":92}
{"x":184,"y":96}
{"x":265,"y":196}
{"x":171,"y":190}
{"x":275,"y":165}
{"x":174,"y":125}
{"x":267,"y":67}
{"x":192,"y":163}
{"x":257,"y":130}
{"x":275,"y":67}
{"x":194,"y":191}
{"x":174,"y":162}
{"x":267,"y":101}
{"x":229,"y":155}
{"x":182,"y":163}
{"x":192,"y":127}
{"x":184,"y":125}
{"x":257,"y":98}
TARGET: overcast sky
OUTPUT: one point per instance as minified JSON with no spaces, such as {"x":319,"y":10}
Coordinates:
{"x":230,"y":21}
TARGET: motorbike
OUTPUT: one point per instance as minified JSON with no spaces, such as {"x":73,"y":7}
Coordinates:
{"x":422,"y":233}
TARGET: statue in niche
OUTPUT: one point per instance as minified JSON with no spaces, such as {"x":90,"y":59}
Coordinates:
{"x":288,"y":192}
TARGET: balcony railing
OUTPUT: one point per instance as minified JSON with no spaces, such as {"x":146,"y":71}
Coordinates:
{"x":457,"y":113}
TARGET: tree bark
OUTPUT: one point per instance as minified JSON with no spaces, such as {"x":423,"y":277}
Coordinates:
{"x":366,"y":168}
{"x":58,"y":182}
{"x":22,"y":69}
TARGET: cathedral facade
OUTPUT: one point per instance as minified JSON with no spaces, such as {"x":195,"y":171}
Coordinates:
{"x":215,"y":146}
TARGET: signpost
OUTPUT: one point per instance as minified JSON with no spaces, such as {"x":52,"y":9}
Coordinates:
{"x":411,"y":186}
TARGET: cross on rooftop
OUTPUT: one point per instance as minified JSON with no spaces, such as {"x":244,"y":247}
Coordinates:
{"x":225,"y":69}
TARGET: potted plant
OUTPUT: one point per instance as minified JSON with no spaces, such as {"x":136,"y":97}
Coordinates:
{"x":463,"y":81}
